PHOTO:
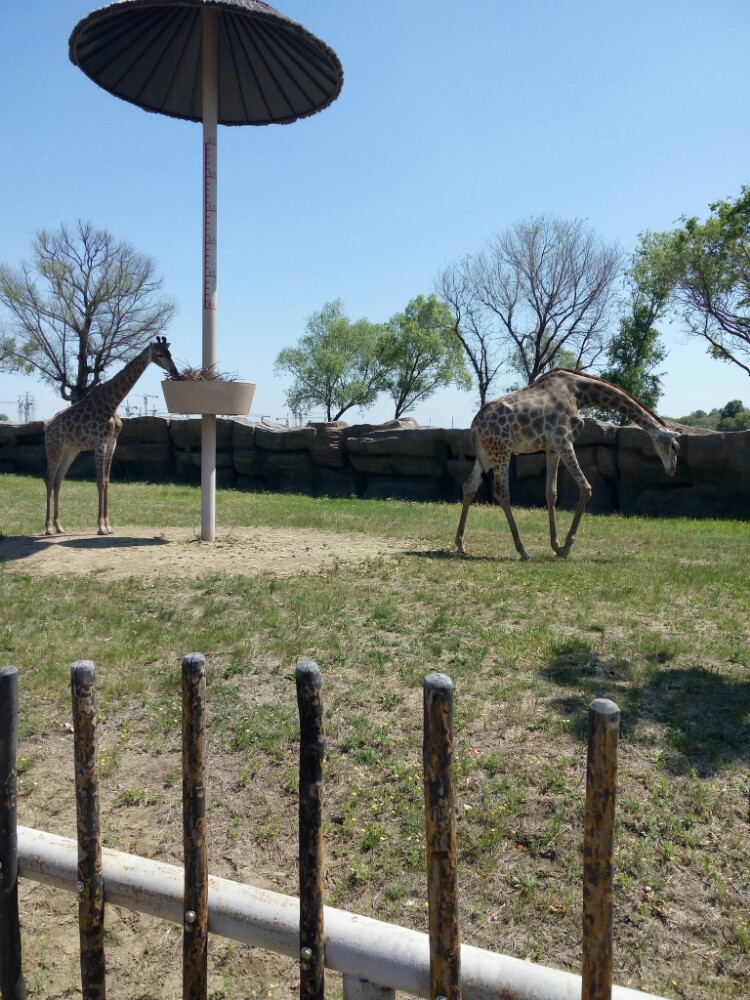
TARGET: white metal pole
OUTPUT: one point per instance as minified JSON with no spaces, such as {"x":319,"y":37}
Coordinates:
{"x":210,"y":129}
{"x":383,"y":954}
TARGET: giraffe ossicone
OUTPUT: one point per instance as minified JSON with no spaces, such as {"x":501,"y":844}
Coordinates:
{"x":93,"y":424}
{"x":544,"y":416}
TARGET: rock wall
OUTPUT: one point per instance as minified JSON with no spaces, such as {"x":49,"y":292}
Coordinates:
{"x":405,"y":461}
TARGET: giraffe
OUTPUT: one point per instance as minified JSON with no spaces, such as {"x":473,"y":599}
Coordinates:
{"x":93,"y":423}
{"x":544,"y":416}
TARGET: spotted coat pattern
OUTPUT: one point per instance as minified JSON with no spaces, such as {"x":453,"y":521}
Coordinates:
{"x":92,"y":424}
{"x":544,"y":416}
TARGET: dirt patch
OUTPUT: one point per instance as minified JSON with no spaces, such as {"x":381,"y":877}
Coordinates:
{"x":141,"y":796}
{"x":177,"y":552}
{"x":144,"y":953}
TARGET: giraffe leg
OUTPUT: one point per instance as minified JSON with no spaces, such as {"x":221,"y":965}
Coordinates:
{"x":103,"y":465}
{"x":53,"y":449}
{"x":49,"y":483}
{"x":571,"y":464}
{"x":501,"y":491}
{"x":48,"y":529}
{"x":58,"y":463}
{"x":470,"y":491}
{"x":553,"y":464}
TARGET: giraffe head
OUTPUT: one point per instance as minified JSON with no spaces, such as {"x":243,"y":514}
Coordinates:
{"x":667,"y":446}
{"x":161,"y":356}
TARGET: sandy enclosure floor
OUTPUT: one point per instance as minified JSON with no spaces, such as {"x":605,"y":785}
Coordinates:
{"x":177,"y":552}
{"x":144,"y":954}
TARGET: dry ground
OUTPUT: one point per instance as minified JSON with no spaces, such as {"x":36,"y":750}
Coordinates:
{"x":172,"y":552}
{"x":144,"y":955}
{"x":252,"y":801}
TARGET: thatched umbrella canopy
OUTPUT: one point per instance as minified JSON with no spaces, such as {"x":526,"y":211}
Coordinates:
{"x":149,"y":52}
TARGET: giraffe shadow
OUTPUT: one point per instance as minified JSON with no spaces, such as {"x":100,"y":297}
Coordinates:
{"x":447,"y":555}
{"x":14,"y":548}
{"x":701,"y":719}
{"x":548,"y":558}
{"x":111,"y":542}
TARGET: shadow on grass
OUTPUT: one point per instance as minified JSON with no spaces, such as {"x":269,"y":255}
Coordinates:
{"x":539,"y":558}
{"x":451,"y":554}
{"x":705,"y":717}
{"x":14,"y":548}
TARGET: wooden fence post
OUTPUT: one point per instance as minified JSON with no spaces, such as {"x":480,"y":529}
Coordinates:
{"x":12,"y":984}
{"x":440,"y":828}
{"x":598,"y":846}
{"x":90,"y":881}
{"x":311,"y":753}
{"x":195,"y":926}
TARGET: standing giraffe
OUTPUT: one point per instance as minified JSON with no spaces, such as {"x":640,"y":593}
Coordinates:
{"x":92,"y":423}
{"x":544,"y":416}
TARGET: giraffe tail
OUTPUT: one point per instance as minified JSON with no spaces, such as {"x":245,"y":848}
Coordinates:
{"x":485,"y":465}
{"x":482,"y":456}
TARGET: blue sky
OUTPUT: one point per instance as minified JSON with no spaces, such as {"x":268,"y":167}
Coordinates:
{"x":454,"y":122}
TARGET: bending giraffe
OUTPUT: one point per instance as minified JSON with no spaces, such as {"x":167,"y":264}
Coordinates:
{"x":544,"y":416}
{"x":92,"y":423}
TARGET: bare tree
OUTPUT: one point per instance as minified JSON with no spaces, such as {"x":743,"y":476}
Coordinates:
{"x":471,"y":325}
{"x":7,"y":351}
{"x":549,"y":284}
{"x":85,"y":302}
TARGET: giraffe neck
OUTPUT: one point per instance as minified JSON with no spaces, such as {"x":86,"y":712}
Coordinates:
{"x":592,"y":391}
{"x":117,"y":388}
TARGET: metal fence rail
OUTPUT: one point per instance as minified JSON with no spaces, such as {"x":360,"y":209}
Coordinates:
{"x":360,"y":947}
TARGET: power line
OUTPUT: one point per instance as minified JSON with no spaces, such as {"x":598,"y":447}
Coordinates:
{"x":26,"y":407}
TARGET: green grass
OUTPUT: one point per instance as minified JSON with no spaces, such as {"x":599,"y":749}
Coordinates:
{"x":652,"y":613}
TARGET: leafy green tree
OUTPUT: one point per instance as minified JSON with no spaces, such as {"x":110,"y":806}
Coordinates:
{"x":85,"y":302}
{"x":733,"y":408}
{"x":337,"y":364}
{"x":636,"y":351}
{"x":706,"y":266}
{"x":731,"y":417}
{"x":734,"y":417}
{"x":422,"y":353}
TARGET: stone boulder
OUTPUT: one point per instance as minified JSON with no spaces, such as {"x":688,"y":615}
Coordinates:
{"x":272,"y":437}
{"x":185,"y":432}
{"x":285,"y":471}
{"x":329,"y":445}
{"x":403,"y":460}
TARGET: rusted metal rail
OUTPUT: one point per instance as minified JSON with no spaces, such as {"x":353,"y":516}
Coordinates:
{"x":90,"y":884}
{"x":195,"y":917}
{"x":12,"y":983}
{"x":311,"y":753}
{"x":598,"y":849}
{"x":440,"y":836}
